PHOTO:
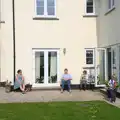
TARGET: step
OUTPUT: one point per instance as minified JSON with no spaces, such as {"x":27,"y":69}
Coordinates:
{"x":104,"y":91}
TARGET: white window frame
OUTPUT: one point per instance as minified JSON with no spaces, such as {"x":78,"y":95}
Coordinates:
{"x":86,"y":8}
{"x":112,"y":5}
{"x":90,"y":65}
{"x":45,"y":10}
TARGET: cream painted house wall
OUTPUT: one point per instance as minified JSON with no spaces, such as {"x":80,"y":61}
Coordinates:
{"x":72,"y":31}
{"x":108,"y":24}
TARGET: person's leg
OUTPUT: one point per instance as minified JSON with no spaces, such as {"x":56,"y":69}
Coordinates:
{"x":85,"y":85}
{"x":62,"y":87}
{"x":114,"y":95}
{"x":111,"y":95}
{"x":21,"y":88}
{"x":108,"y":93}
{"x":69,"y":87}
{"x":81,"y":85}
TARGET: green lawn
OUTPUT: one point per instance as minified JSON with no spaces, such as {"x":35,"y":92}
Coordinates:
{"x":94,"y":110}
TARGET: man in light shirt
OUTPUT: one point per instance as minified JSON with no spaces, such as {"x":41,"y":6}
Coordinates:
{"x":66,"y":79}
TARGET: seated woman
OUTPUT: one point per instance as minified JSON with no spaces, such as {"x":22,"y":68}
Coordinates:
{"x":19,"y":81}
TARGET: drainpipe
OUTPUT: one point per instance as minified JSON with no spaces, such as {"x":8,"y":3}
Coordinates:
{"x":14,"y":46}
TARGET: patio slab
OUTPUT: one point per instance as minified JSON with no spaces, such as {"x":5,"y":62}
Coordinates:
{"x":51,"y":95}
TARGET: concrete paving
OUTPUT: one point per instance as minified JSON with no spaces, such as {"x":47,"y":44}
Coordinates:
{"x":51,"y":95}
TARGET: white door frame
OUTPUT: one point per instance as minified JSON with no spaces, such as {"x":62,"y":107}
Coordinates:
{"x":96,"y":65}
{"x":45,"y":84}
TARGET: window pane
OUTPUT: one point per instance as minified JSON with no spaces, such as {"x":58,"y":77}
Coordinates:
{"x":52,"y":67}
{"x":40,"y":7}
{"x":113,"y":2}
{"x":51,"y":10}
{"x":40,"y":3}
{"x":109,"y":4}
{"x":51,"y":2}
{"x":101,"y":67}
{"x":89,"y":2}
{"x":89,"y":56}
{"x":89,"y":60}
{"x":89,"y":9}
{"x":51,"y":7}
{"x":89,"y":53}
{"x":39,"y":67}
{"x":40,"y":10}
{"x":89,"y":6}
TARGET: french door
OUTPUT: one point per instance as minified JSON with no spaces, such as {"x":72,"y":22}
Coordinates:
{"x":45,"y":67}
{"x":100,"y":67}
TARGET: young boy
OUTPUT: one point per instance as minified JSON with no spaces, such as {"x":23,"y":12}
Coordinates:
{"x":83,"y":80}
{"x":112,"y":91}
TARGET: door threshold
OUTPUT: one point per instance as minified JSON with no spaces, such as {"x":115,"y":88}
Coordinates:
{"x":45,"y":88}
{"x":46,"y":85}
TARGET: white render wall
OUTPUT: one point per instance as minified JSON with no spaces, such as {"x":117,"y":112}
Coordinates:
{"x":108,"y":24}
{"x":72,"y":31}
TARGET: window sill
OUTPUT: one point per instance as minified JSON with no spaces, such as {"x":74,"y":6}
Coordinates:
{"x":90,"y":15}
{"x":2,"y":21}
{"x":45,"y":18}
{"x":89,"y":67}
{"x":110,"y":10}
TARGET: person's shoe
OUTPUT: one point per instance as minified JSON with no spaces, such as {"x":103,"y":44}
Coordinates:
{"x":61,"y":91}
{"x":69,"y":91}
{"x":23,"y":92}
{"x":109,"y":99}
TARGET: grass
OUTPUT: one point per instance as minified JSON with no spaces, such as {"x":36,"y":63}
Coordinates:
{"x":93,"y":110}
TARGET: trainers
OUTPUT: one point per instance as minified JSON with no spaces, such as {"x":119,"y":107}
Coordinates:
{"x":70,"y":91}
{"x":23,"y":92}
{"x":61,"y":91}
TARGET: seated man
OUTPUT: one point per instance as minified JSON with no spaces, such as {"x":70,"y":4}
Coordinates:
{"x":66,"y":79}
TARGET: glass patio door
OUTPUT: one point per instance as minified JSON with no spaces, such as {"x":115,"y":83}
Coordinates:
{"x":100,"y":67}
{"x":45,"y":66}
{"x":114,"y":61}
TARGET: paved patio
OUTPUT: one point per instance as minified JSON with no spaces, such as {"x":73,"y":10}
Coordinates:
{"x":51,"y":95}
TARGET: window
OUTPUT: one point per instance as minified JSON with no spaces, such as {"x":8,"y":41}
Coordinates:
{"x":46,"y":8}
{"x":114,"y":57}
{"x":89,"y":56}
{"x":90,"y":6}
{"x":111,"y":4}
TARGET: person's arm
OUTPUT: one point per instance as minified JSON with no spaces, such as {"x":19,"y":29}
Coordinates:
{"x":81,"y":77}
{"x":109,"y":82}
{"x":87,"y":78}
{"x":16,"y":78}
{"x":62,"y":78}
{"x":70,"y":77}
{"x":23,"y":79}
